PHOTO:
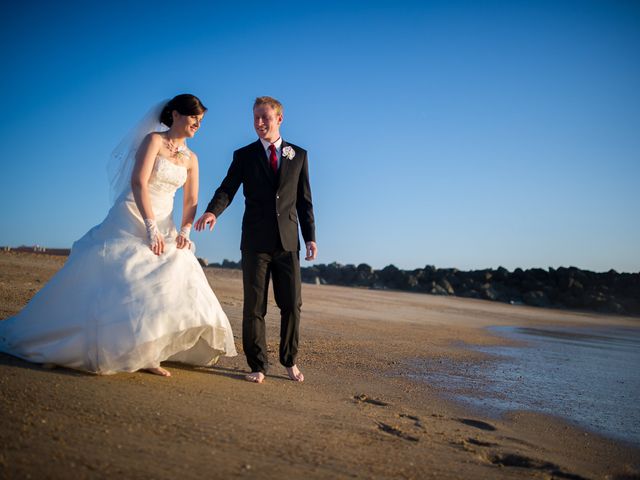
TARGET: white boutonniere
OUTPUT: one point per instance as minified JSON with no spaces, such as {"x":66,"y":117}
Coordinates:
{"x":288,"y":152}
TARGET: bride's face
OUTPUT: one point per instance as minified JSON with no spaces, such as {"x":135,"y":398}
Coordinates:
{"x":186,"y":125}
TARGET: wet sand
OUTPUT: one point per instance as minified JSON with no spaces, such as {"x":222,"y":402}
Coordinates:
{"x":363,"y":412}
{"x":586,"y":375}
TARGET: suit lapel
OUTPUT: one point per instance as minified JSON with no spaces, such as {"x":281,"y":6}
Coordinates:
{"x":263,"y":160}
{"x":284,"y":163}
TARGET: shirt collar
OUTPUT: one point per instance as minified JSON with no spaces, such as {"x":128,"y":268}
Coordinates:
{"x":277,"y":143}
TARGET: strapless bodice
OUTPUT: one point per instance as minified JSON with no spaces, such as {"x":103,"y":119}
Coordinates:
{"x":166,"y":176}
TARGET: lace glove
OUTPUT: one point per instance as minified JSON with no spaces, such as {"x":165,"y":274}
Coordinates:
{"x":183,"y":238}
{"x":184,"y":232}
{"x":152,"y":231}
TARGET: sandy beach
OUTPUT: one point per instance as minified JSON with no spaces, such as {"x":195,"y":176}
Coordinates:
{"x":364,"y":410}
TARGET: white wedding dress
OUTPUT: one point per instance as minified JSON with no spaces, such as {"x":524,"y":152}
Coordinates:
{"x":117,"y":307}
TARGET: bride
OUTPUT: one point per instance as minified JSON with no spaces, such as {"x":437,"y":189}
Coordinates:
{"x":132,"y":293}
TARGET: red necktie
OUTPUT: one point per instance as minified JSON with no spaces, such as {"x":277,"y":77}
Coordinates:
{"x":273,"y":158}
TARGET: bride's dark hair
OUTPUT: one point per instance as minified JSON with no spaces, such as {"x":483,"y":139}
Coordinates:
{"x":184,"y":104}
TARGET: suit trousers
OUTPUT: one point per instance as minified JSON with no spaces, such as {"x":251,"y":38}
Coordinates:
{"x":283,"y":268}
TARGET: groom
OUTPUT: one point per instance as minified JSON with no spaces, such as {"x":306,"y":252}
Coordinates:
{"x":275,"y":179}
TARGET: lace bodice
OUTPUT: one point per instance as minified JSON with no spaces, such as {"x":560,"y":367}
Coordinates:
{"x":167,"y":176}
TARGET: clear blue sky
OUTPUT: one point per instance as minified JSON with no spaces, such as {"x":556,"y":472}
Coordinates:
{"x":460,"y":134}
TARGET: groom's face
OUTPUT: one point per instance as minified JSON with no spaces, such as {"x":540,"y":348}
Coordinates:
{"x":267,"y":122}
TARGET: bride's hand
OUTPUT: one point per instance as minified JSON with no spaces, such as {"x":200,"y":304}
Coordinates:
{"x":156,"y":242}
{"x":183,"y":237}
{"x":159,"y":248}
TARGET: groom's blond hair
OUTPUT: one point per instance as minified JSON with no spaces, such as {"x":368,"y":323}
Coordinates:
{"x":272,"y":102}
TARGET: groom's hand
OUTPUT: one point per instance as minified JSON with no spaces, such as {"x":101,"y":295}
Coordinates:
{"x":207,"y":218}
{"x":312,"y":251}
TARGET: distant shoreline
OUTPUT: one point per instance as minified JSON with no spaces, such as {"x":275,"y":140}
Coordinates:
{"x":565,"y":287}
{"x":37,"y":249}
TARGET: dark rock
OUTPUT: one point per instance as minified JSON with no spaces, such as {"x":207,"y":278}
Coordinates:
{"x":412,"y":283}
{"x":612,"y":307}
{"x":538,"y":273}
{"x":203,"y":262}
{"x":392,"y":277}
{"x":595,"y":299}
{"x":455,"y":279}
{"x":631,"y":305}
{"x":536,"y":298}
{"x":572,"y":301}
{"x":310,"y":274}
{"x":230,"y":264}
{"x":438,"y":290}
{"x":568,"y":287}
{"x":446,"y":286}
{"x":365,"y":275}
{"x":501,"y":274}
{"x":429,"y":270}
{"x":488,"y":292}
{"x":469,"y":293}
{"x":332,"y":273}
{"x":348,"y":275}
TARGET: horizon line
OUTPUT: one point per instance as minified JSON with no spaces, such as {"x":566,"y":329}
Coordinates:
{"x":39,"y":249}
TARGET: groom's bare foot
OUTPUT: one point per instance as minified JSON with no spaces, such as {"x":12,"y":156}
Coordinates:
{"x":295,"y":374}
{"x":255,"y":377}
{"x":159,"y":371}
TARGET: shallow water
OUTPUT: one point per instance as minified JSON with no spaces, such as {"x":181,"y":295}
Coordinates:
{"x":589,"y":376}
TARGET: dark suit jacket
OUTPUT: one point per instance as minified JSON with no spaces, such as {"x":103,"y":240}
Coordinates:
{"x":274,"y":203}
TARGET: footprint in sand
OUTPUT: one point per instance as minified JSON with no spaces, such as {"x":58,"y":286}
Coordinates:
{"x":521,"y":461}
{"x":391,"y":430}
{"x":410,"y":417}
{"x":477,"y":424}
{"x":362,"y":398}
{"x":470,"y":444}
{"x":510,"y":459}
{"x":416,"y":420}
{"x":480,"y":443}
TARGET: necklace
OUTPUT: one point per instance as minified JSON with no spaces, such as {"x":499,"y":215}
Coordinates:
{"x":176,"y":150}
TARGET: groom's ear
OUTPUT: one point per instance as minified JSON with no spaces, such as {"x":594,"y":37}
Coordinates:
{"x":280,"y":118}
